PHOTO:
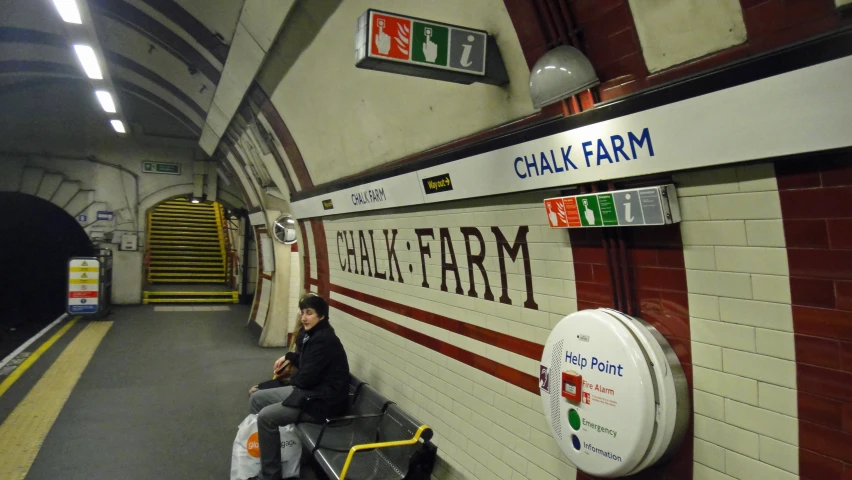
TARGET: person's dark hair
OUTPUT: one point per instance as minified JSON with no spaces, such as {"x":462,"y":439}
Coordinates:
{"x":317,"y":303}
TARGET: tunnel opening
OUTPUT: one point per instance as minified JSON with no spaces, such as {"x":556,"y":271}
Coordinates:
{"x":36,"y":240}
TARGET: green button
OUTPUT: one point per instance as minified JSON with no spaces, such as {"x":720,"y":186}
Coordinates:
{"x":574,"y":419}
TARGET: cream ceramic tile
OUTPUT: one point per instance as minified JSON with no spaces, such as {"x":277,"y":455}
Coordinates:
{"x":735,"y":285}
{"x":699,"y":257}
{"x":774,"y":316}
{"x":771,"y":288}
{"x":755,"y":419}
{"x":757,"y":177}
{"x":706,"y":182}
{"x":765,"y":233}
{"x":733,"y":438}
{"x":714,"y":233}
{"x":778,"y":399}
{"x":709,"y":356}
{"x":776,"y":344}
{"x":725,"y":384}
{"x":745,"y":206}
{"x":701,"y":472}
{"x":694,"y":208}
{"x":709,"y":405}
{"x":762,"y":260}
{"x":779,"y":454}
{"x":704,"y":306}
{"x":709,"y":454}
{"x":722,"y":334}
{"x":742,"y":467}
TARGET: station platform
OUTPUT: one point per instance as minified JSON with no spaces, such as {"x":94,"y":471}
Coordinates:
{"x":145,"y":393}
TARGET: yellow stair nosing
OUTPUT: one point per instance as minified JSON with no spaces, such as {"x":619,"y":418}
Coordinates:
{"x":220,"y":292}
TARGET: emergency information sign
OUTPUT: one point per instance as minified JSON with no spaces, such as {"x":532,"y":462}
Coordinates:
{"x":395,"y":43}
{"x":622,"y":208}
{"x":83,"y":285}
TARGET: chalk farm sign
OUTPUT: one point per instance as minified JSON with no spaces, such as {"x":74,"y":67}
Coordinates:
{"x":356,"y":253}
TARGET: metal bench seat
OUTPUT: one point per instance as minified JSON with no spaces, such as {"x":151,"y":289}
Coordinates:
{"x":376,"y":440}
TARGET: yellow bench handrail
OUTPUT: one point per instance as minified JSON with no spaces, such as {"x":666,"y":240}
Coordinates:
{"x":370,"y":446}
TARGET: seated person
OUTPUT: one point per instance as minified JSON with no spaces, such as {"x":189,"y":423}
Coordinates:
{"x":322,"y":373}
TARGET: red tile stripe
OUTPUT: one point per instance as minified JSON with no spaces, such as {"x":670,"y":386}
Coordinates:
{"x":321,"y":247}
{"x":496,"y":339}
{"x":307,"y":256}
{"x":507,"y":374}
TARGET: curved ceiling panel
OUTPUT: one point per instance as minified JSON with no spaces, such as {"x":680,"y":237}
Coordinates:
{"x":157,"y":33}
{"x":37,"y":15}
{"x":220,"y":16}
{"x":148,"y":105}
{"x":158,"y":90}
{"x":130,"y":44}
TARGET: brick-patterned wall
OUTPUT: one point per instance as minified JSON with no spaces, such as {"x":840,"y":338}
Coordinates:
{"x":466,"y":366}
{"x":741,"y":324}
{"x":816,"y":199}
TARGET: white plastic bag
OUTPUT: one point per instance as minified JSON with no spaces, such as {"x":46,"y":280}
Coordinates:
{"x":291,"y":451}
{"x":245,"y":455}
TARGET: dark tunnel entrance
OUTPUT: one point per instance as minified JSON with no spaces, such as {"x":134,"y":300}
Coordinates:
{"x":36,"y":240}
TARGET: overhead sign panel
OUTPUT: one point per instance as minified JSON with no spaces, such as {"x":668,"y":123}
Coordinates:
{"x":623,"y":208}
{"x":160,"y":167}
{"x":411,"y":46}
{"x":84,"y":275}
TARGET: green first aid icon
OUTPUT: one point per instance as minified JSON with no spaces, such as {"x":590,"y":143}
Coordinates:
{"x":430,"y":44}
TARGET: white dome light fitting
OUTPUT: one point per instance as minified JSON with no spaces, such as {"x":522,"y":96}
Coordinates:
{"x":560,"y":73}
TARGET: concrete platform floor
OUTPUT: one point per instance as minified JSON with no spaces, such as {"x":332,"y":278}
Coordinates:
{"x":161,"y":398}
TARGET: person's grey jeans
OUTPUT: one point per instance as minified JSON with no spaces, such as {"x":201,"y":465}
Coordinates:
{"x":270,"y":416}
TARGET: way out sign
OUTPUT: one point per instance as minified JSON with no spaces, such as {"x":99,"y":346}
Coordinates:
{"x":424,"y":48}
{"x":83,"y":285}
{"x":620,"y":208}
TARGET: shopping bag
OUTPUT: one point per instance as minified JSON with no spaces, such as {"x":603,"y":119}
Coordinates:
{"x":245,"y":454}
{"x":291,"y":451}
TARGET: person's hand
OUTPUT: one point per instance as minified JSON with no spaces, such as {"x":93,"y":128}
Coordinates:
{"x":253,"y":389}
{"x":282,"y":367}
{"x":278,"y":364}
{"x":430,"y":49}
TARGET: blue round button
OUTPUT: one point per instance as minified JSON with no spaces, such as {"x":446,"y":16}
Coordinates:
{"x":576,"y":442}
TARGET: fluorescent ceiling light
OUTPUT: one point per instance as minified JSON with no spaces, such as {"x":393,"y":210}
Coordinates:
{"x":106,"y":100}
{"x":89,"y":61}
{"x":68,"y":11}
{"x":117,"y":125}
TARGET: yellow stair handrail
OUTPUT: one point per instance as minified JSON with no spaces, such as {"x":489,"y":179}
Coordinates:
{"x":371,"y":446}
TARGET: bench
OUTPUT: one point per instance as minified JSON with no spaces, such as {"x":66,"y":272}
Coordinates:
{"x":375,"y":440}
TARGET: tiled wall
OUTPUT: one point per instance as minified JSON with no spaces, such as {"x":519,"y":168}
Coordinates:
{"x":765,"y":340}
{"x":466,"y":366}
{"x":816,"y":199}
{"x":741,"y":324}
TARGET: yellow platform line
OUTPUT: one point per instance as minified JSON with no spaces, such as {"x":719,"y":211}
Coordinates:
{"x":27,"y":426}
{"x":26,"y":364}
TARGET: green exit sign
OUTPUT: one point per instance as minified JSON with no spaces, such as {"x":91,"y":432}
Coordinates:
{"x":395,"y":43}
{"x":160,"y":167}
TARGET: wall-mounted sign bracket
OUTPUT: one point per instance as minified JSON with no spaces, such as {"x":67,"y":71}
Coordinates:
{"x":393,"y":43}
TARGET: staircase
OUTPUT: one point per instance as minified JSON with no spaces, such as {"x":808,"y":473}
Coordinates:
{"x":187,"y":246}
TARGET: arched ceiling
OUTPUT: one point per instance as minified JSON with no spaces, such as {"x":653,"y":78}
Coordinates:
{"x":165,"y":59}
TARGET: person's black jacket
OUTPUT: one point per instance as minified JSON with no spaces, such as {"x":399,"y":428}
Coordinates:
{"x":322,"y":372}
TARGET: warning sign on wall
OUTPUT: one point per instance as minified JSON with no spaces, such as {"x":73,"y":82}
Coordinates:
{"x":83,"y":285}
